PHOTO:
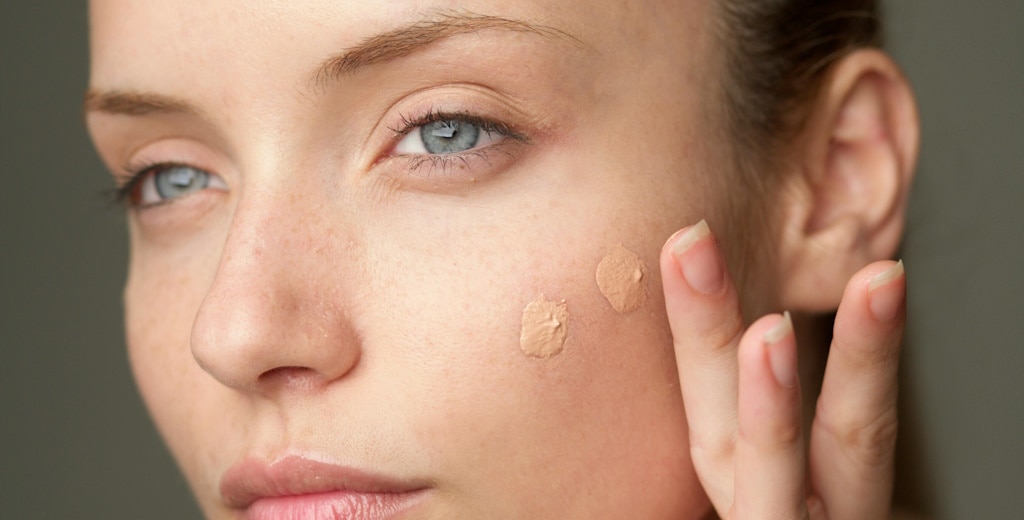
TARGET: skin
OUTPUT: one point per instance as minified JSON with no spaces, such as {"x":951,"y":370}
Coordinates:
{"x":330,"y":297}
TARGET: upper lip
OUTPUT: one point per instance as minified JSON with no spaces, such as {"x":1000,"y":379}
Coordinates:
{"x":252,"y":479}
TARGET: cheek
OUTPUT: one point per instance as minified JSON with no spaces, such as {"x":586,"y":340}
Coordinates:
{"x":159,"y":307}
{"x":162,"y":295}
{"x":606,"y":410}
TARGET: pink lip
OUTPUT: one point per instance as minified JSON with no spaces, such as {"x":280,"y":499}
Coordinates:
{"x":296,"y":487}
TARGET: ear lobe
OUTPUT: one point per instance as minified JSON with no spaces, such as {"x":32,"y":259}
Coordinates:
{"x":858,"y":156}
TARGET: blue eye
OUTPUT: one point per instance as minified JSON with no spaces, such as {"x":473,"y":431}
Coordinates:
{"x":176,"y":181}
{"x":164,"y":183}
{"x":447,"y":136}
{"x":451,"y":136}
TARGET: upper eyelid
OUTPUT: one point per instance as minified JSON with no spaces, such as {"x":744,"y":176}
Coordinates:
{"x":489,"y":124}
{"x":134,"y":172}
{"x":130,"y":152}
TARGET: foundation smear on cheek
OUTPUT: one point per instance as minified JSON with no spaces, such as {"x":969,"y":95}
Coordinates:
{"x":621,"y":278}
{"x":544,"y":328}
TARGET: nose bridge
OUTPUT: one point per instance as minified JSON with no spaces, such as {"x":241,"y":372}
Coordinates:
{"x":272,"y":316}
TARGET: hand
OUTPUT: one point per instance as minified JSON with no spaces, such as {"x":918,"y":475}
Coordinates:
{"x":742,"y":394}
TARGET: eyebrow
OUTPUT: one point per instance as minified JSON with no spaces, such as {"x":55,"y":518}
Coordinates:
{"x":381,"y":48}
{"x":403,"y":41}
{"x":133,"y":103}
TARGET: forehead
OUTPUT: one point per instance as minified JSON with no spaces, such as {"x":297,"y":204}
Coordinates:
{"x":207,"y":42}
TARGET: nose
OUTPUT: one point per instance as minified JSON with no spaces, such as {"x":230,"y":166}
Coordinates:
{"x":274,"y":318}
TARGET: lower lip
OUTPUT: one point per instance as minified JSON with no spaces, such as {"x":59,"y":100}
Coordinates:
{"x":334,"y":505}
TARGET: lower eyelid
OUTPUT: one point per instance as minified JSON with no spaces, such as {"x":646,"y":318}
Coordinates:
{"x":431,"y":172}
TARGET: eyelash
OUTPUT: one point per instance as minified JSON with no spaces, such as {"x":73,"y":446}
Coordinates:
{"x":408,"y":124}
{"x":134,"y":174}
{"x":444,"y":161}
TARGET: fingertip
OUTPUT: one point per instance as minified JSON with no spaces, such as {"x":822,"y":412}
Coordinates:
{"x":780,"y":331}
{"x":780,"y":343}
{"x":887,"y":292}
{"x":771,"y":337}
{"x":875,"y":275}
{"x":876,"y":293}
{"x":768,"y":327}
{"x":699,"y":296}
{"x":670,"y":244}
{"x":687,"y":237}
{"x":696,"y":252}
{"x":887,"y":276}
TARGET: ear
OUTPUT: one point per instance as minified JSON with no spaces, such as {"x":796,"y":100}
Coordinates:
{"x":846,"y":204}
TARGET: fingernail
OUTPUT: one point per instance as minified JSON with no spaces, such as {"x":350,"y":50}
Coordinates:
{"x":698,"y":257}
{"x":782,"y":354}
{"x":884,"y":296}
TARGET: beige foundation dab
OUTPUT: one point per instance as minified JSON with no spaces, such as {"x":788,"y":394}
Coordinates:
{"x":544,"y":328}
{"x":622,"y":279}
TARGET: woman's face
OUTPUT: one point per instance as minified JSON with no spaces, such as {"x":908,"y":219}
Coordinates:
{"x":345,"y":208}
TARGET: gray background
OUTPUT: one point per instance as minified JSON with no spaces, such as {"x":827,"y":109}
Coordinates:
{"x":77,"y":443}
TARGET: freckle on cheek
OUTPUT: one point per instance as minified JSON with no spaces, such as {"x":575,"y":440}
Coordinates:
{"x":545,"y":327}
{"x":622,"y":279}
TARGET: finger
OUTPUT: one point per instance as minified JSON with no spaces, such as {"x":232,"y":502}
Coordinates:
{"x":706,"y":323}
{"x":853,"y":436}
{"x":770,"y":471}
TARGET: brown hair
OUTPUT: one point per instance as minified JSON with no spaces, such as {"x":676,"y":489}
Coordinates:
{"x":777,"y":53}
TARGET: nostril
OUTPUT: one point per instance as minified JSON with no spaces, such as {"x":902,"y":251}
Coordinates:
{"x":294,"y":378}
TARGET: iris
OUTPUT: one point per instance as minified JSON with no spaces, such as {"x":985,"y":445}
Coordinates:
{"x":175,"y":181}
{"x":449,"y":136}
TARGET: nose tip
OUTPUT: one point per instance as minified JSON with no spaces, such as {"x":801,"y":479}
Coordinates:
{"x":261,"y":347}
{"x":262,"y":332}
